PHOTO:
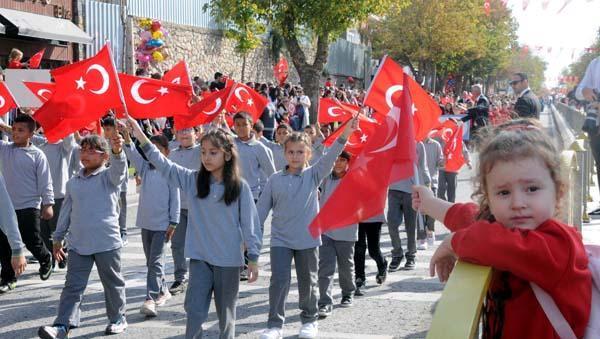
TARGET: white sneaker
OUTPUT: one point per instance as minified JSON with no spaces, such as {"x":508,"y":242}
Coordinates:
{"x":431,"y":239}
{"x":309,"y":330}
{"x":163,"y":297}
{"x":149,"y":308}
{"x":422,"y":245}
{"x":272,"y":333}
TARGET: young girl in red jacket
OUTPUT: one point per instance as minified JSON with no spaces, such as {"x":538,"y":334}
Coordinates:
{"x":513,"y":229}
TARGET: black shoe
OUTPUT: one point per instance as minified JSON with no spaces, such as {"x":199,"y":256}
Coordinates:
{"x":395,"y":264}
{"x":52,"y":332}
{"x":244,"y":274}
{"x":346,"y":301}
{"x":359,"y":285}
{"x":178,"y":287}
{"x":410,"y":264}
{"x":382,"y":274}
{"x":32,"y":260}
{"x":45,"y":270}
{"x":595,"y":212}
{"x":6,"y":287}
{"x":325,"y":311}
{"x":63,"y":263}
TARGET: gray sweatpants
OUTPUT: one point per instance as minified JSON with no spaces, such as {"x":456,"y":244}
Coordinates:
{"x":123,"y":212}
{"x":78,"y":272}
{"x":154,"y":243}
{"x":206,"y":279}
{"x":281,"y":276}
{"x":330,"y":252}
{"x":178,"y":246}
{"x":399,"y":209}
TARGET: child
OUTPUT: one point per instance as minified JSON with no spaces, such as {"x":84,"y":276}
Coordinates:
{"x":337,"y":245}
{"x":9,"y":233}
{"x":369,"y":235}
{"x":29,"y":184}
{"x":435,"y":161}
{"x":316,"y":139}
{"x":186,"y":154}
{"x":281,"y":133}
{"x":399,"y":208}
{"x":14,"y":60}
{"x":292,"y":194}
{"x":157,"y":216}
{"x":109,"y":126}
{"x":449,"y":179}
{"x":89,"y":220}
{"x":519,"y":188}
{"x":222,"y":221}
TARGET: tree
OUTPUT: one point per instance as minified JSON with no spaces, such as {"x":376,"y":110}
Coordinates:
{"x":309,"y":22}
{"x":523,"y":60}
{"x":578,"y":67}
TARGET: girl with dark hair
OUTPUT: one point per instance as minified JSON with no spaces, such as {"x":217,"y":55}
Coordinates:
{"x":222,"y":221}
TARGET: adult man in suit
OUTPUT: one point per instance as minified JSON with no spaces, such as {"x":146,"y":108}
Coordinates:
{"x":478,"y":114}
{"x":528,"y":105}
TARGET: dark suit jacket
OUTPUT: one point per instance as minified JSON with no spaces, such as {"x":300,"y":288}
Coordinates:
{"x":479,"y":114}
{"x":528,"y":106}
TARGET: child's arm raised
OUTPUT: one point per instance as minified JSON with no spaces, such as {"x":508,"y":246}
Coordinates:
{"x":325,"y":164}
{"x":117,"y":171}
{"x":454,"y":216}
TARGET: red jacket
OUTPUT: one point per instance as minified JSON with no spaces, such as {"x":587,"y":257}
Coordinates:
{"x":552,"y":256}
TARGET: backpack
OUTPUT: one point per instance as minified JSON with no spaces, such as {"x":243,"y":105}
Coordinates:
{"x":558,"y":321}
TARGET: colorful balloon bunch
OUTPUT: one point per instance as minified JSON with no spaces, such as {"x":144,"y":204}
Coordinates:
{"x":151,"y":49}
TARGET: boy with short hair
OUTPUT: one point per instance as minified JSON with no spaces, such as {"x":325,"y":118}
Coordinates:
{"x":29,"y":185}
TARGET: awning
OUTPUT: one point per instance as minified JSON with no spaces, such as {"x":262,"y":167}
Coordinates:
{"x":43,"y":27}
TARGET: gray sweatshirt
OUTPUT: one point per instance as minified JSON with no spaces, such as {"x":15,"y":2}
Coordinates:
{"x":89,"y":216}
{"x":254,"y":159}
{"x":75,"y":163}
{"x":435,"y":159}
{"x":278,"y":153}
{"x":295,"y":202}
{"x":59,"y":156}
{"x":189,"y":158}
{"x":8,"y":221}
{"x":159,"y":202}
{"x":216,"y":233}
{"x":424,"y":178}
{"x":347,"y":233}
{"x":27,"y":175}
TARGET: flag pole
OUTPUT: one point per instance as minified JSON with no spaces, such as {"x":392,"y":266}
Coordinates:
{"x":121,"y":97}
{"x":420,"y":224}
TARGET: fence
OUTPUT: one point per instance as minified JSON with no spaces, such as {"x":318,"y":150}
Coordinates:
{"x":103,"y":22}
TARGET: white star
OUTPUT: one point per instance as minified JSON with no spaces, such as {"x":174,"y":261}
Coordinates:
{"x":362,"y":162}
{"x":414,"y":109}
{"x":163,"y":91}
{"x":80,"y":83}
{"x":363,"y":138}
{"x":250,"y":102}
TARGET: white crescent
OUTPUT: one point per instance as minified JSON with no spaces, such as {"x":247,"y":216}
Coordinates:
{"x":390,"y":92}
{"x":332,"y":109}
{"x":41,"y":93}
{"x":350,"y":143}
{"x":392,"y":121}
{"x":105,"y":78}
{"x":176,"y":80}
{"x":135,"y":93}
{"x":237,"y":93}
{"x":2,"y":101}
{"x":216,"y":109}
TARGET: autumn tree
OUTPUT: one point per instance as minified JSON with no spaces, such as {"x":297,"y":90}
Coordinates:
{"x":316,"y":23}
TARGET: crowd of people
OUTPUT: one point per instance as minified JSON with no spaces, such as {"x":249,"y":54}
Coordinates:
{"x":209,"y":190}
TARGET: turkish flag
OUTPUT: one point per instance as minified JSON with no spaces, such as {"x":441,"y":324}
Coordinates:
{"x":147,"y":98}
{"x":332,"y":110}
{"x":84,"y":92}
{"x":204,"y":111}
{"x":7,"y":101}
{"x":179,"y":75}
{"x":444,"y":131}
{"x":426,"y":111}
{"x":358,"y":139}
{"x":245,"y":99}
{"x":453,"y":150}
{"x":42,"y":90}
{"x":36,"y":59}
{"x":281,"y":70}
{"x":388,"y":157}
{"x":386,"y":87}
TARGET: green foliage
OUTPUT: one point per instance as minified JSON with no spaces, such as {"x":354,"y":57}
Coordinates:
{"x":522,"y":60}
{"x":578,"y":67}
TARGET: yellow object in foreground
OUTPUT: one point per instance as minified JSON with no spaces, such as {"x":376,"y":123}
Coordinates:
{"x":458,"y":311}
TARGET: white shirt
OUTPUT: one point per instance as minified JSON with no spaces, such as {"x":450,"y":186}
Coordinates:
{"x":591,"y":79}
{"x":524,"y":91}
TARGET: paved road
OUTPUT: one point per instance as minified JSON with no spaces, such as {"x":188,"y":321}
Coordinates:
{"x":401,"y":308}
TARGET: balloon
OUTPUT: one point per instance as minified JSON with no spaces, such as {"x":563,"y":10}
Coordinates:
{"x":146,"y":35}
{"x":157,"y":56}
{"x":155,"y":26}
{"x":165,"y":32}
{"x":157,"y":35}
{"x":155,"y":43}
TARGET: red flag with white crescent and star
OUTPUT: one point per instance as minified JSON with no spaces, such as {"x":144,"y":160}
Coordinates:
{"x":386,"y":87}
{"x":150,"y":98}
{"x":36,"y":59}
{"x":388,"y":157}
{"x":42,"y":90}
{"x":426,"y":112}
{"x":281,"y":70}
{"x":7,"y":101}
{"x":358,"y":139}
{"x":179,"y":75}
{"x":332,"y":110}
{"x":84,"y":92}
{"x":245,"y":99}
{"x":204,"y":111}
